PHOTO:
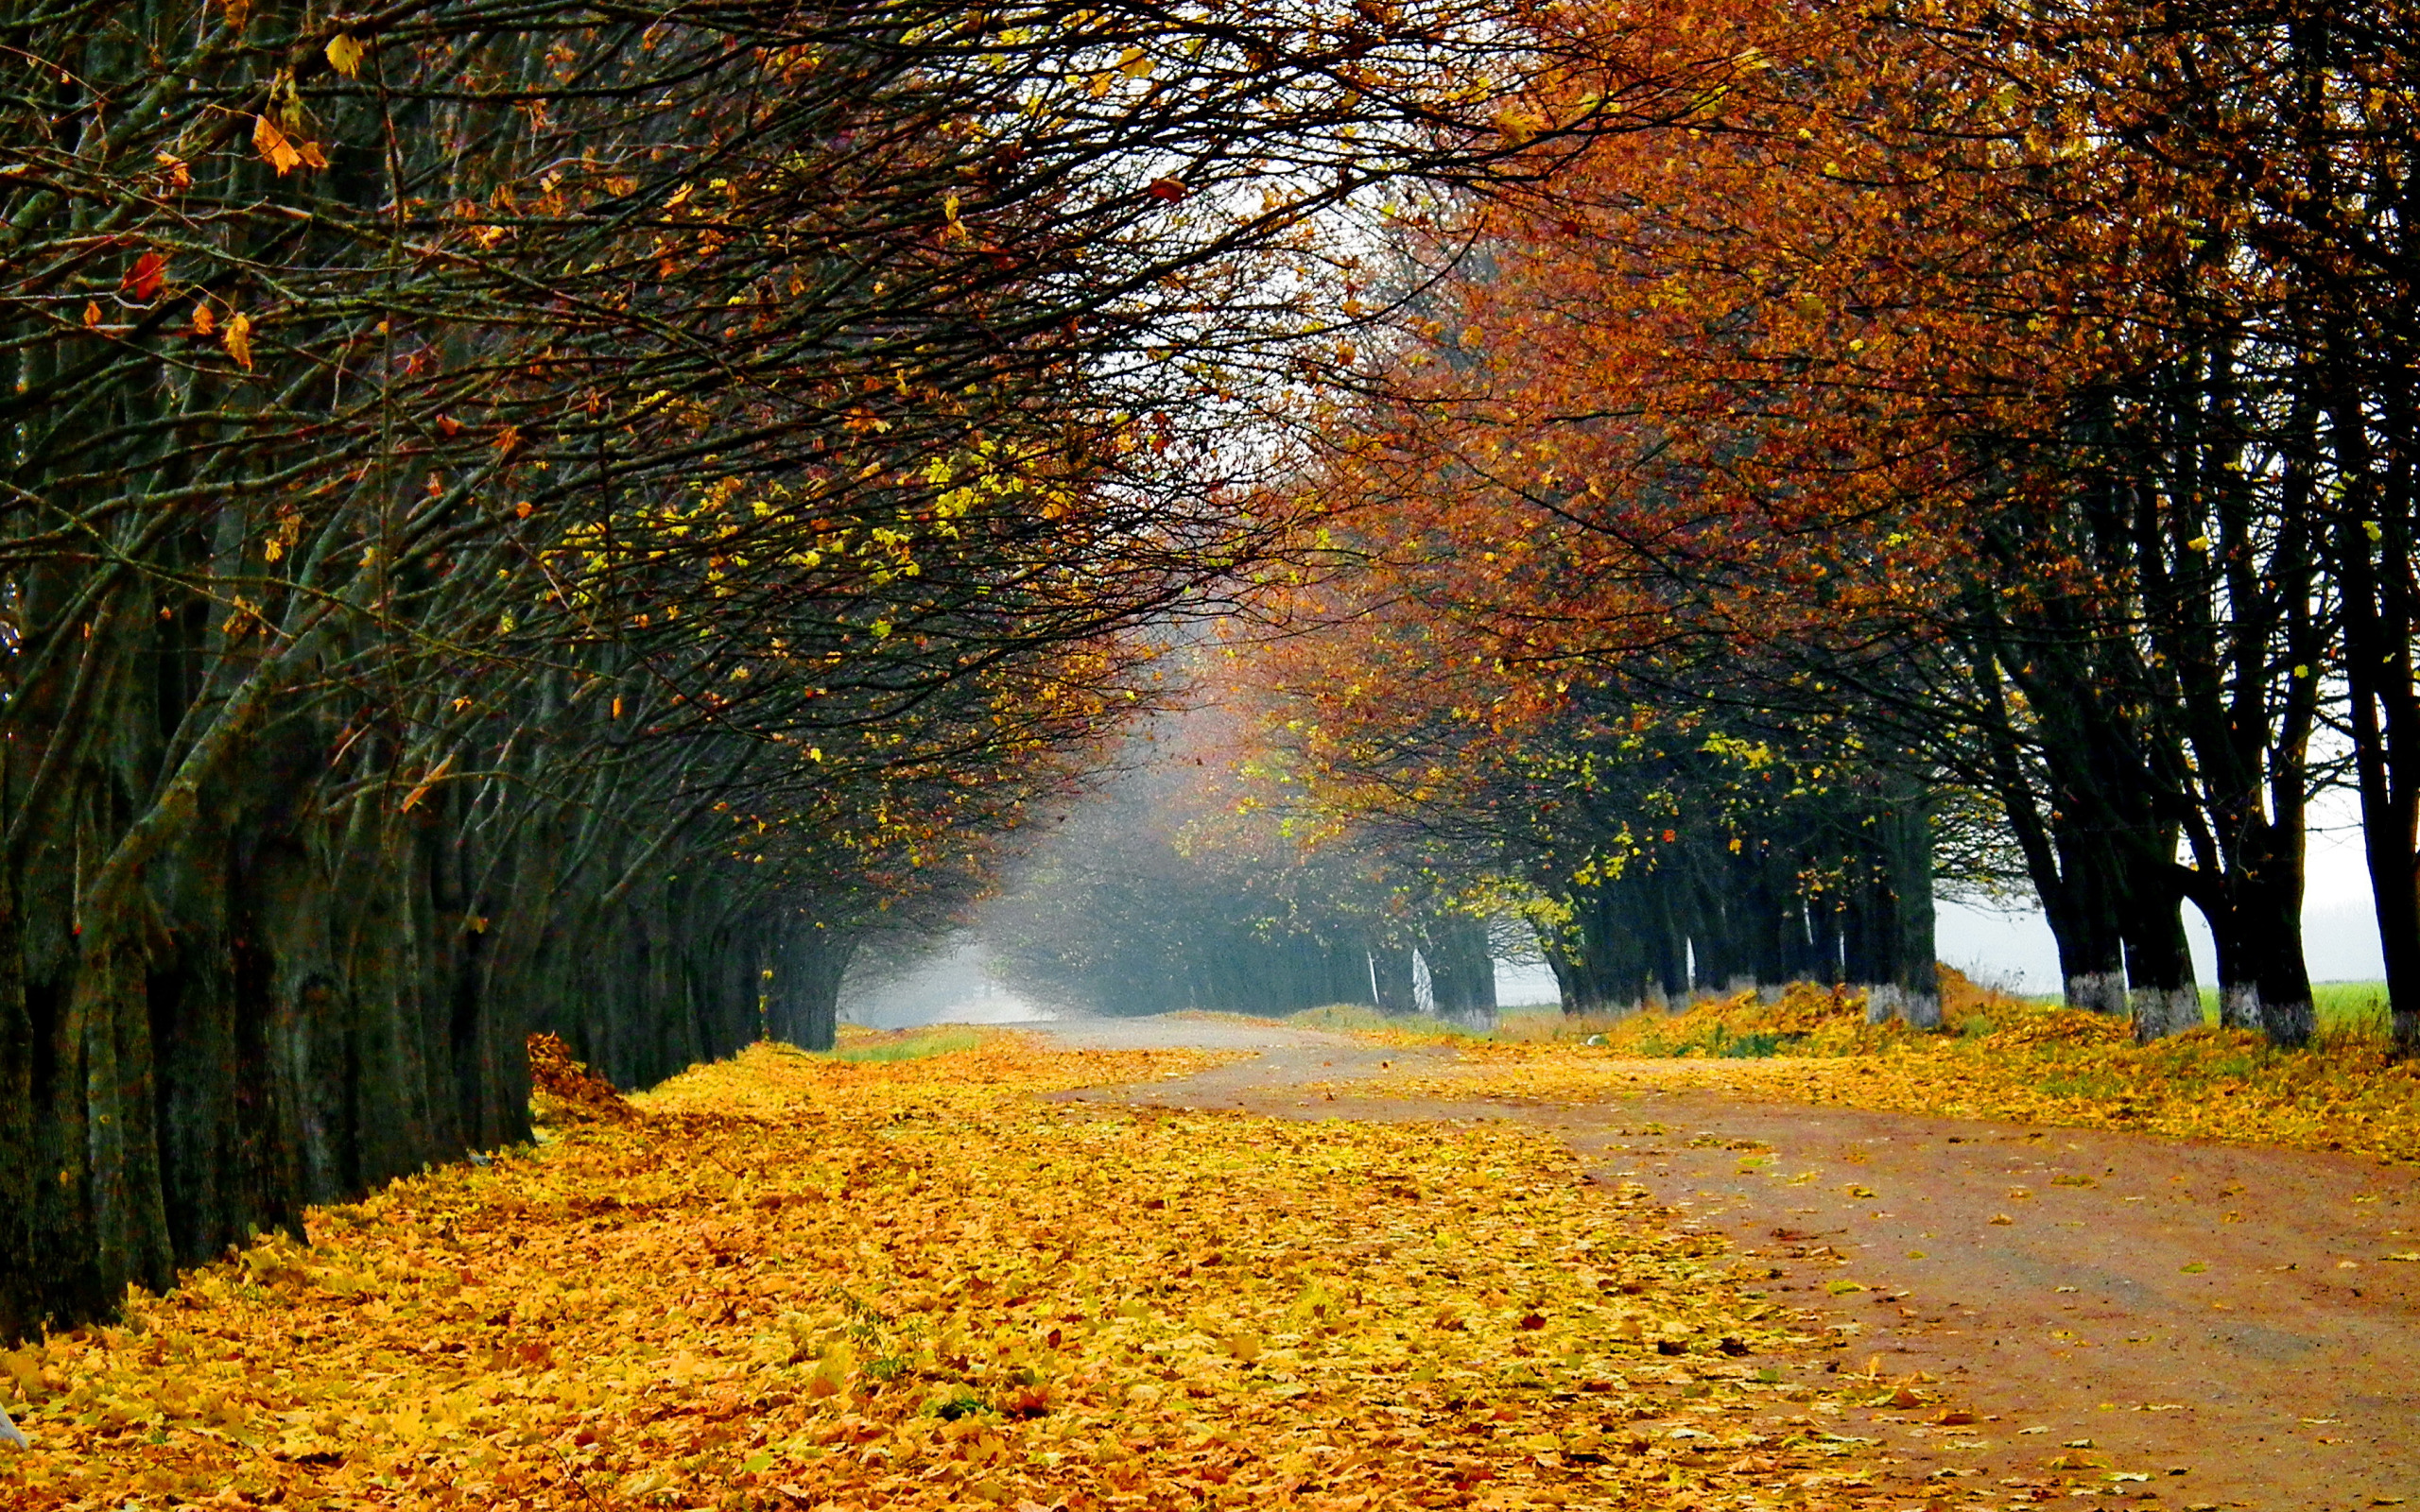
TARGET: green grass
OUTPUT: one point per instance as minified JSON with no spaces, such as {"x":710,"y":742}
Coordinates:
{"x":2354,"y":1005}
{"x":915,"y":1047}
{"x":1754,"y":1045}
{"x":2344,"y":1007}
{"x":1346,"y":1018}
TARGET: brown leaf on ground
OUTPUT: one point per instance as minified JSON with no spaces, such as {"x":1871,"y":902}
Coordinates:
{"x":911,"y":1284}
{"x":562,"y":1090}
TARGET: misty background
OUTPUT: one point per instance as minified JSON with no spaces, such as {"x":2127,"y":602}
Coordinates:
{"x":2007,"y":945}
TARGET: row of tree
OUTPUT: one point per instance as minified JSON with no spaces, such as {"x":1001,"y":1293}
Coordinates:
{"x":2014,"y":405}
{"x":538,"y":516}
{"x":1267,"y":866}
{"x":1652,"y":851}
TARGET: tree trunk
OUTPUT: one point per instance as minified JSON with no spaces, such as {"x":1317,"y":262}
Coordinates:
{"x":802,"y":1001}
{"x":1462,"y":973}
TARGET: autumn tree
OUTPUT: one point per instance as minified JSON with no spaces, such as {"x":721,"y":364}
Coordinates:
{"x":1924,"y":371}
{"x":529,"y":516}
{"x":1658,"y":842}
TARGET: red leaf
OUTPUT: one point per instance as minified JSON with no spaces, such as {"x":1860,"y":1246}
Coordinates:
{"x":1168,"y":189}
{"x":143,"y":278}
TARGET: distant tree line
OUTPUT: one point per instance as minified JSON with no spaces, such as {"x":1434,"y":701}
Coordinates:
{"x":1154,"y":895}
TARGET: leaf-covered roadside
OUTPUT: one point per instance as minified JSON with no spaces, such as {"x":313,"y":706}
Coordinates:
{"x":796,"y":1282}
{"x":2045,"y":1065}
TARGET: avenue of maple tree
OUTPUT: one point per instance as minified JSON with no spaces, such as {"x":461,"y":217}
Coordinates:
{"x":571,"y":518}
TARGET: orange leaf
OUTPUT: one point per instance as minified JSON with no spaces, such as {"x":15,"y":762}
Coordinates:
{"x":1170,"y":190}
{"x":274,"y":146}
{"x":238,"y":340}
{"x":91,"y":313}
{"x":143,"y":278}
{"x":411,"y":799}
{"x":203,"y":321}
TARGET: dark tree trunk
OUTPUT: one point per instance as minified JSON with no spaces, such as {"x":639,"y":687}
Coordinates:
{"x":802,"y":1000}
{"x":1898,"y":909}
{"x":1462,"y":973}
{"x":1390,"y":979}
{"x":2161,"y":992}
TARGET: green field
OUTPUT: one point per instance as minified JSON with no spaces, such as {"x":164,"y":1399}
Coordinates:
{"x":914,"y":1047}
{"x":2353,"y":1007}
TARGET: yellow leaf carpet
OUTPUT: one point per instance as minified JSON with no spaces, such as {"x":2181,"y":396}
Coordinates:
{"x":794,"y":1281}
{"x":2027,"y":1064}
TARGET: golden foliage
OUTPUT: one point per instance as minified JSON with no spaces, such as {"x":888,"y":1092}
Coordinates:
{"x":796,"y":1281}
{"x":562,"y":1090}
{"x":2013,"y":1061}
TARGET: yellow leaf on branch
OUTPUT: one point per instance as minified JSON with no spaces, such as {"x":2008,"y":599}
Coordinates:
{"x":274,"y":146}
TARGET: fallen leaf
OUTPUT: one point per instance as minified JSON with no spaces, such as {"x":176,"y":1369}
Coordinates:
{"x":704,"y":1246}
{"x":2189,"y":1086}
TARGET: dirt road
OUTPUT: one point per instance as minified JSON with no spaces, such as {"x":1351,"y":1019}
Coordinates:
{"x":2178,"y":1324}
